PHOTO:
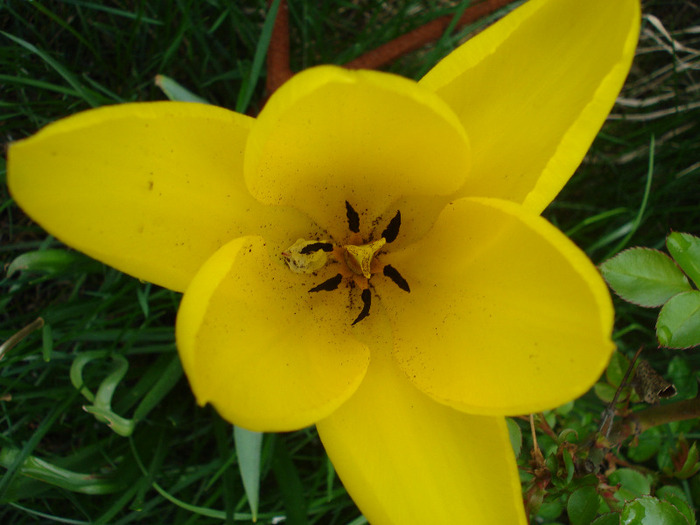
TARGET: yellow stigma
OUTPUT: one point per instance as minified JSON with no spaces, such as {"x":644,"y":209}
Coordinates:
{"x":359,"y":258}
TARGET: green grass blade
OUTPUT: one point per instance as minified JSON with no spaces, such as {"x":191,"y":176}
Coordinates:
{"x":246,"y":93}
{"x":69,"y":77}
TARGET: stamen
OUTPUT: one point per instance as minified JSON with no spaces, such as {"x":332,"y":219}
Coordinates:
{"x":328,"y":285}
{"x":353,"y":218}
{"x":393,"y":274}
{"x":316,"y":246}
{"x":301,"y":259}
{"x":392,"y":230}
{"x":367,"y":301}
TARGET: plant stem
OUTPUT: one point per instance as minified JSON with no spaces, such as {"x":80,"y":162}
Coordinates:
{"x":422,"y":35}
{"x":278,"y":65}
{"x":638,"y":422}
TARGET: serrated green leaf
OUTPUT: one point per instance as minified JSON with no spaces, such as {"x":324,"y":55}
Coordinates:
{"x":248,"y":450}
{"x":644,"y":276}
{"x":175,"y":91}
{"x":678,"y":325}
{"x":583,"y":506}
{"x":685,"y":250}
{"x":676,"y":497}
{"x":651,"y":511}
{"x":632,"y":483}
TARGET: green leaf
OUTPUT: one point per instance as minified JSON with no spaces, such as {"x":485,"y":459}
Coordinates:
{"x":515,"y":435}
{"x":678,"y":325}
{"x":46,"y":342}
{"x":646,"y":447}
{"x":690,"y":465}
{"x":632,"y":483}
{"x":550,"y":510}
{"x":612,"y":518}
{"x":101,"y":406}
{"x":676,"y":497}
{"x":644,"y":276}
{"x":167,"y":379}
{"x":651,"y":511}
{"x":289,"y":482}
{"x":248,"y":448}
{"x":582,"y":506}
{"x":53,"y":262}
{"x":568,"y":464}
{"x":604,"y":391}
{"x":175,"y":91}
{"x":682,"y":375}
{"x":685,"y":250}
{"x":617,"y":368}
{"x":37,"y":468}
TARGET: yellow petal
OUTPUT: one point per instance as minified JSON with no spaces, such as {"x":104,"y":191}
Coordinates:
{"x":269,"y":355}
{"x":331,"y":135}
{"x":152,"y":189}
{"x":534,"y":89}
{"x":505,"y":315}
{"x":405,"y":459}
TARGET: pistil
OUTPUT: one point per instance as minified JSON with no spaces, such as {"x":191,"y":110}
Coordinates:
{"x":359,"y":258}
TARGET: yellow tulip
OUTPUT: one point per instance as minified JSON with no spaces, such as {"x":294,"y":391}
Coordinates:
{"x":367,"y":254}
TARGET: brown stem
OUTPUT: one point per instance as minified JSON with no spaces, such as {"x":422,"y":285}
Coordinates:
{"x":544,"y":427}
{"x":637,"y":422}
{"x":537,"y":456}
{"x":278,"y":67}
{"x":658,"y":415}
{"x":425,"y":34}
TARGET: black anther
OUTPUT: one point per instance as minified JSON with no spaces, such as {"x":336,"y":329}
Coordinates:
{"x":392,"y":230}
{"x":316,"y":246}
{"x":393,"y":274}
{"x":329,"y":285}
{"x":353,"y":218}
{"x":366,"y":301}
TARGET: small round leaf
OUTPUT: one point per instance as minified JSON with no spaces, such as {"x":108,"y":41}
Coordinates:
{"x":582,"y":506}
{"x":632,"y":483}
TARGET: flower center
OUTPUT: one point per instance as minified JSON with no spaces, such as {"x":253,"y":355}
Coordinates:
{"x":358,"y":261}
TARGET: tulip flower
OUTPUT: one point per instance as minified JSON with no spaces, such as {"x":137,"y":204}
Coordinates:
{"x":367,"y":255}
